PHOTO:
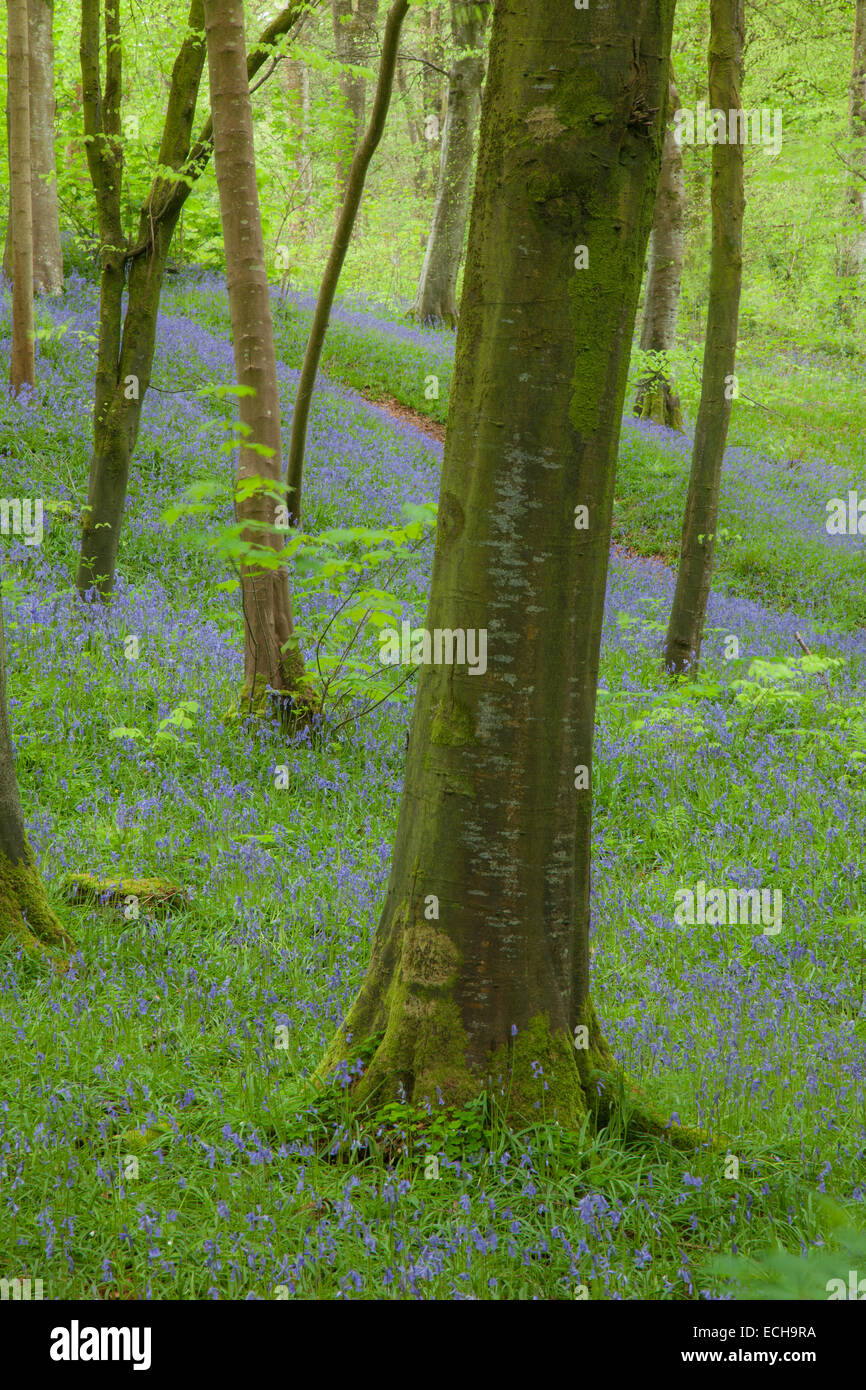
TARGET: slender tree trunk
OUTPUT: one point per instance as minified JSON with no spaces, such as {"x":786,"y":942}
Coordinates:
{"x":412,"y":126}
{"x":126,"y":342}
{"x":697,"y":167}
{"x":355,"y":43}
{"x":415,"y":130}
{"x":339,"y":247}
{"x":433,"y":75}
{"x":697,"y":548}
{"x":47,"y":253}
{"x":272,"y":667}
{"x":22,"y":370}
{"x":479,"y":971}
{"x":855,"y":254}
{"x":25,"y":912}
{"x":436,"y":297}
{"x":296,"y":78}
{"x":7,"y":239}
{"x":656,"y":396}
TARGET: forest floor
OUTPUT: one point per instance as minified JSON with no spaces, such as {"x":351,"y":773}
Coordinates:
{"x":156,"y":1138}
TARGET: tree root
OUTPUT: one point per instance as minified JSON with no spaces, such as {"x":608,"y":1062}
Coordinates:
{"x":25,"y":912}
{"x":615,"y":1099}
{"x":657,"y":401}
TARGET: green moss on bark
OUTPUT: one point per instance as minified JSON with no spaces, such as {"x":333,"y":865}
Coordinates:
{"x":453,"y":724}
{"x":89,"y":888}
{"x":537,"y":1077}
{"x":25,"y":913}
{"x":616,"y":1100}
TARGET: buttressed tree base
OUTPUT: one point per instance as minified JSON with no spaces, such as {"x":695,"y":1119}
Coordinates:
{"x":479,"y":975}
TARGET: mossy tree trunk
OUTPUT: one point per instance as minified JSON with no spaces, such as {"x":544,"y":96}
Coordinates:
{"x":126,"y":341}
{"x":25,"y":913}
{"x":340,"y":245}
{"x":272,"y":668}
{"x":657,"y":398}
{"x":436,"y":297}
{"x":697,"y":547}
{"x":22,"y":361}
{"x":480,"y":963}
{"x":355,"y":44}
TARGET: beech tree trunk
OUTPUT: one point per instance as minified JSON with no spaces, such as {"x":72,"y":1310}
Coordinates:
{"x":656,"y":396}
{"x":355,"y":43}
{"x":25,"y":912}
{"x":126,"y":342}
{"x":339,"y":247}
{"x":436,"y":297}
{"x":47,"y":253}
{"x":480,"y":964}
{"x":22,"y":367}
{"x":272,"y":667}
{"x":697,"y":547}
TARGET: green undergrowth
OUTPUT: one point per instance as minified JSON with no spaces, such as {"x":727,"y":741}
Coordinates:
{"x":182,"y":1040}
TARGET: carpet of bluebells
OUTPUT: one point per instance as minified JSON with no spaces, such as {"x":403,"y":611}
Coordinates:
{"x":152,"y":1143}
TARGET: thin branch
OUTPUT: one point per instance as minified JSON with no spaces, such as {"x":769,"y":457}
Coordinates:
{"x":808,"y":653}
{"x":178,"y":190}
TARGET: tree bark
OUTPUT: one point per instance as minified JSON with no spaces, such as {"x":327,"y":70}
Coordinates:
{"x":697,"y":547}
{"x":126,"y":343}
{"x":25,"y":912}
{"x":656,"y":396}
{"x":355,"y":43}
{"x":273,"y":670}
{"x":855,"y":257}
{"x":339,"y":247}
{"x":47,"y":253}
{"x":7,"y":239}
{"x":436,"y":297}
{"x":479,"y":971}
{"x":22,"y":367}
